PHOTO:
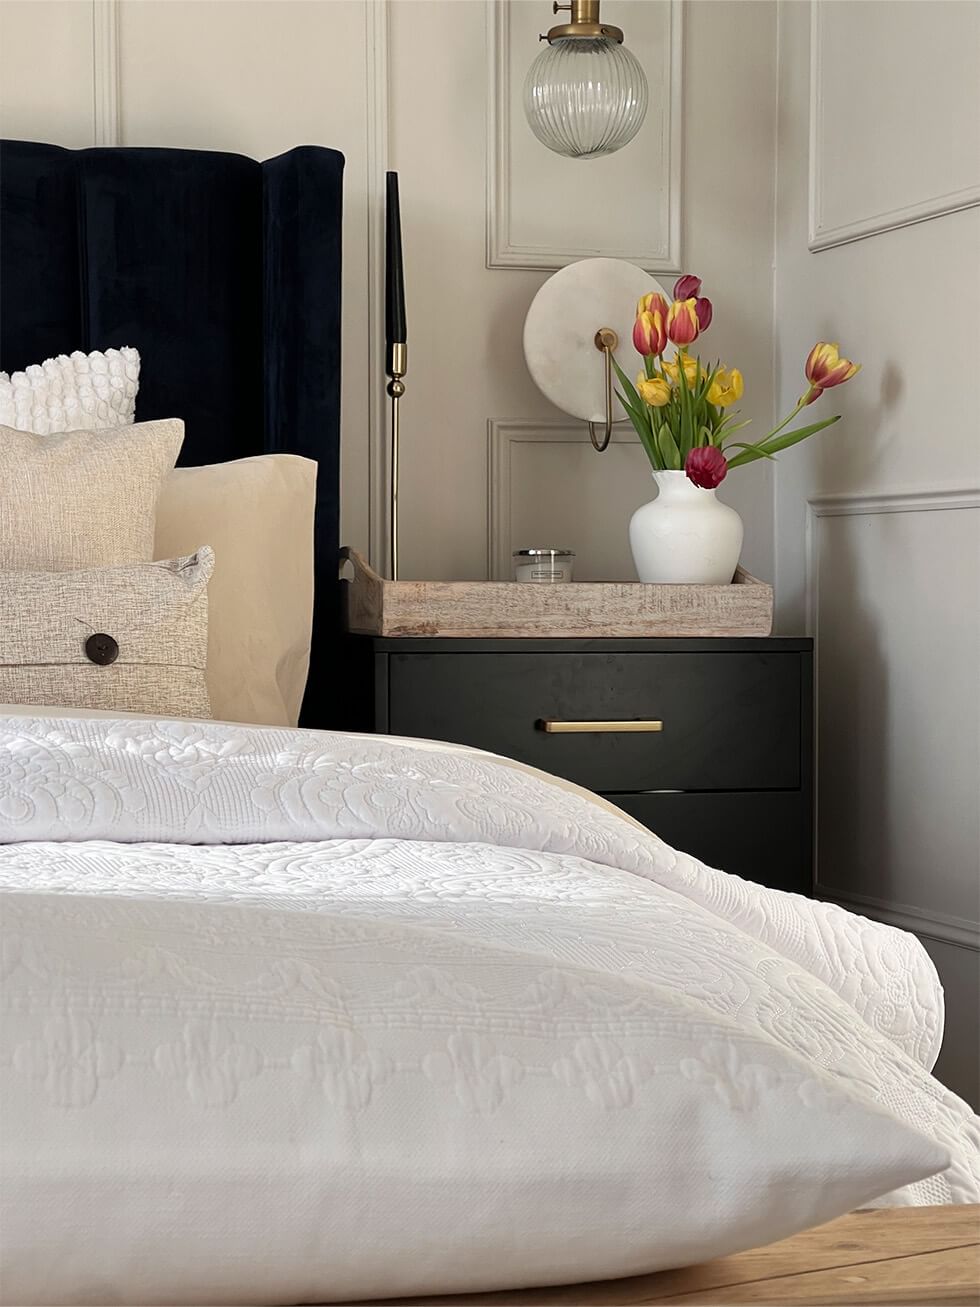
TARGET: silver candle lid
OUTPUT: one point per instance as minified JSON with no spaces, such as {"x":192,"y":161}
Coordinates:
{"x":544,"y":553}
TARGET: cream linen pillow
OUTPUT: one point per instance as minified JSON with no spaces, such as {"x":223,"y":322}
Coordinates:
{"x":257,"y":513}
{"x":131,"y":639}
{"x":83,"y":498}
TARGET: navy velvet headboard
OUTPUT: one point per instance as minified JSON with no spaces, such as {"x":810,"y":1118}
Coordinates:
{"x":224,"y":273}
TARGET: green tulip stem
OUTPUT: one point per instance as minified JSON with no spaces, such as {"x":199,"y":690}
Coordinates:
{"x":776,"y":430}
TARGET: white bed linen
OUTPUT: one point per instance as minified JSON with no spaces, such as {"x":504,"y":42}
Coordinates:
{"x":160,"y":872}
{"x":883,"y":973}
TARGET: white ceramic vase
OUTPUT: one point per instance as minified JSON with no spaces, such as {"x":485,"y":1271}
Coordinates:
{"x":685,"y":535}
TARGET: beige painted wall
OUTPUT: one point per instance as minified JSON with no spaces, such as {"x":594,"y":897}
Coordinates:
{"x":892,"y":493}
{"x":50,"y":95}
{"x":258,"y":76}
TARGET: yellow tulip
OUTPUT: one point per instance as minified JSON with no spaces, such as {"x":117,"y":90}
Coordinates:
{"x":654,"y":390}
{"x":726,"y":388}
{"x":690,"y":366}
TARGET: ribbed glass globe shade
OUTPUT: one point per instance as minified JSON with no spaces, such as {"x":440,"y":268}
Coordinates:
{"x":585,"y":97}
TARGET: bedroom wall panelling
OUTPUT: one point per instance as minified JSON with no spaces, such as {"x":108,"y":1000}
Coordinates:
{"x":49,"y":96}
{"x":860,"y":182}
{"x":523,"y":455}
{"x":871,"y":573}
{"x":543,"y":213}
{"x":877,"y":522}
{"x":107,"y":126}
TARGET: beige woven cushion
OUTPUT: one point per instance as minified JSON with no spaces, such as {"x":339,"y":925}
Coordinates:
{"x":154,"y":614}
{"x":257,"y":513}
{"x":83,"y":498}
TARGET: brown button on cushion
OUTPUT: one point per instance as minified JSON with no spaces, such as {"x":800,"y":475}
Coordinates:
{"x":101,"y":649}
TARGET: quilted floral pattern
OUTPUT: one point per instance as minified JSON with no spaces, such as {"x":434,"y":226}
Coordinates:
{"x":81,"y":779}
{"x":479,"y":1076}
{"x":310,"y":969}
{"x":69,"y":1060}
{"x":344,"y":1067}
{"x":604,"y":1072}
{"x":209,"y":1062}
{"x":76,"y":392}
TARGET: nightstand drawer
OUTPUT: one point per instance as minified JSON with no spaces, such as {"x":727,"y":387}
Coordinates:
{"x":730,"y":721}
{"x":762,"y":837}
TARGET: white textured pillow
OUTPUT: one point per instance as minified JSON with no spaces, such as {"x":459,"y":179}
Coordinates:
{"x":449,"y":1046}
{"x":257,"y":513}
{"x":83,"y":498}
{"x":128,"y":638}
{"x":72,"y":392}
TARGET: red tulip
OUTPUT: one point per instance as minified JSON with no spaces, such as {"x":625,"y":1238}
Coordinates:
{"x":826,"y":368}
{"x":682,"y":322}
{"x":649,"y":334}
{"x":687,"y":287}
{"x":652,"y":302}
{"x":706,"y":467}
{"x":704,"y":312}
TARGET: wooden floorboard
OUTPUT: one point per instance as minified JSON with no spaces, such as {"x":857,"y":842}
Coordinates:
{"x":900,"y":1256}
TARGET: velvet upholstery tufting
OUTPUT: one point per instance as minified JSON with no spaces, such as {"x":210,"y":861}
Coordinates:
{"x":225,"y":273}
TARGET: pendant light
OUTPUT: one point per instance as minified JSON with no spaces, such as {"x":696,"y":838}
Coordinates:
{"x":585,"y":95}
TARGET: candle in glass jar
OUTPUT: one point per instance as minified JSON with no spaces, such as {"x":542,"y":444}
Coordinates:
{"x":543,"y":566}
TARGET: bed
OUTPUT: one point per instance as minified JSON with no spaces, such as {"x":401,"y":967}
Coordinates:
{"x":226,"y":274}
{"x":291,"y":1015}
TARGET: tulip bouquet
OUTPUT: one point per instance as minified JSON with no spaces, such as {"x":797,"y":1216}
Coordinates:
{"x":682,"y":408}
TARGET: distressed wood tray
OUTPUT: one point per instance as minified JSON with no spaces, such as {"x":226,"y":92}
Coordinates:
{"x":578,"y":610}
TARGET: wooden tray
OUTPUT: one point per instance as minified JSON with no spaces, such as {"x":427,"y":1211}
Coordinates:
{"x":579,"y":610}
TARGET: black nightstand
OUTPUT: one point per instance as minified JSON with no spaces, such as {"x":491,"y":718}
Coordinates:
{"x":727,"y":775}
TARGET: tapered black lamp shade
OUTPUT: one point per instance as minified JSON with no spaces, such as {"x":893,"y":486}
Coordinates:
{"x":395,"y":328}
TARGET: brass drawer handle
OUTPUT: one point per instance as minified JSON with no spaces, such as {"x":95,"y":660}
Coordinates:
{"x":554,"y":727}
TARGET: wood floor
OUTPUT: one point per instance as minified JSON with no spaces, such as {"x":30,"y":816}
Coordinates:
{"x":906,"y":1255}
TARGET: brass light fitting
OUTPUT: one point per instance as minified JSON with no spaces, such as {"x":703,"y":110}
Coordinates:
{"x":605,"y":340}
{"x":586,"y":94}
{"x":584,"y":23}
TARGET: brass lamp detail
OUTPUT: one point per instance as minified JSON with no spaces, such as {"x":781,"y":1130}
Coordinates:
{"x":584,"y":22}
{"x":606,"y":341}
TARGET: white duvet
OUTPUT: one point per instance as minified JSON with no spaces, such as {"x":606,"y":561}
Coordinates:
{"x":231,"y":951}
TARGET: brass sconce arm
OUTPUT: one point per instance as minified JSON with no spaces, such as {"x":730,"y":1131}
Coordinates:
{"x":606,"y":341}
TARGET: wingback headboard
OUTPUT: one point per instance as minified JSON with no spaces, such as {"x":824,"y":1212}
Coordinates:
{"x":224,"y":273}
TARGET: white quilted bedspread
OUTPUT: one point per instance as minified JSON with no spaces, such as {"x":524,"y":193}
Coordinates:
{"x":133,"y":851}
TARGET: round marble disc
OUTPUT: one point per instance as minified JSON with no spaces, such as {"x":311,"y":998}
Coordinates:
{"x":560,"y":328}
